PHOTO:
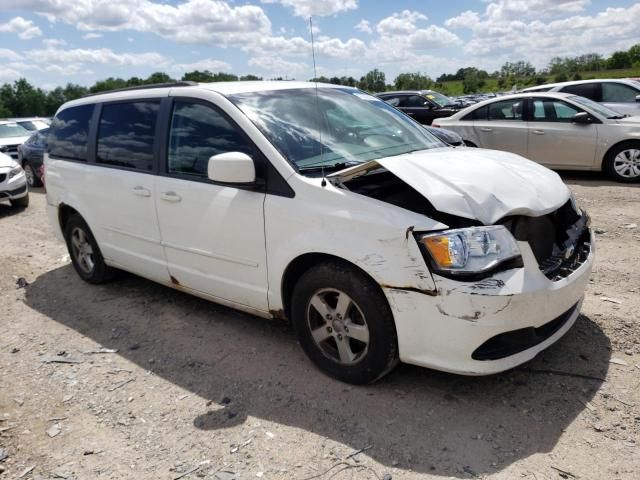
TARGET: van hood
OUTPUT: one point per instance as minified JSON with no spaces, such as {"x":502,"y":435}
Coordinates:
{"x":13,"y":140}
{"x":485,"y":185}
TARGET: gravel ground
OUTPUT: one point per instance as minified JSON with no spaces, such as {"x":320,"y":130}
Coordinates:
{"x":156,"y":384}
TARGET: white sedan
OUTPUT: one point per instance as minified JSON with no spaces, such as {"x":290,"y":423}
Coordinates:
{"x":559,"y":130}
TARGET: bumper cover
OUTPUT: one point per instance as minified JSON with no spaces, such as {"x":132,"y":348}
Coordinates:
{"x":444,"y":331}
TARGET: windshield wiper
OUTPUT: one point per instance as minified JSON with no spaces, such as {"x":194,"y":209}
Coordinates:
{"x":331,"y":167}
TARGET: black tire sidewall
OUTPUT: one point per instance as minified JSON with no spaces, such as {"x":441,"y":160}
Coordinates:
{"x":610,"y":158}
{"x":382,"y":353}
{"x":101,"y":272}
{"x":36,"y":181}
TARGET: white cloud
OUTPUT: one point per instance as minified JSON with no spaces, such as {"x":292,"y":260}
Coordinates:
{"x":191,"y":21}
{"x":102,"y":56}
{"x":9,"y":55}
{"x":53,"y":42}
{"x":307,"y":8}
{"x":546,"y":29}
{"x":91,"y":36}
{"x":277,"y":67}
{"x":402,"y":23}
{"x":25,"y":29}
{"x":364,"y":26}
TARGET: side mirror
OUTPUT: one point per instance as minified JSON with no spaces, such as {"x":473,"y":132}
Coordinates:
{"x":582,"y":118}
{"x":231,"y":167}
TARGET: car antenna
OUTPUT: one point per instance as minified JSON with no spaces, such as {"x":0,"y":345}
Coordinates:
{"x":315,"y":80}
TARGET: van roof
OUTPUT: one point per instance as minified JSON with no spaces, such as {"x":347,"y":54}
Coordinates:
{"x":223,"y":88}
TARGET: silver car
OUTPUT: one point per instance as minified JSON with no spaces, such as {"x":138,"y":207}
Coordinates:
{"x":618,"y":94}
{"x":558,"y":130}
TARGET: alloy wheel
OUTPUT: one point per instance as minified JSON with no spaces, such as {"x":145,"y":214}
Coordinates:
{"x":82,"y":250}
{"x":338,"y":326}
{"x":627,"y":163}
{"x":30,"y":174}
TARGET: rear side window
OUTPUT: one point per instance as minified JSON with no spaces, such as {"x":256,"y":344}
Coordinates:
{"x":587,"y":90}
{"x":126,"y":134}
{"x":618,"y":92}
{"x":69,"y":133}
{"x":506,"y":110}
{"x":197,"y":133}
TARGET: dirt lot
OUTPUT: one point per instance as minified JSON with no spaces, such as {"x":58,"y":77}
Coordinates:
{"x":158,"y":385}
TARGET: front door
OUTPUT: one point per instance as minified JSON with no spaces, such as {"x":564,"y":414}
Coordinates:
{"x":213,"y":235}
{"x":554,"y":140}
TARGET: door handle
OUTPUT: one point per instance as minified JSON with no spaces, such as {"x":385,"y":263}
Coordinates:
{"x":538,"y":132}
{"x":141,"y":191}
{"x":170,"y":197}
{"x":486,"y":129}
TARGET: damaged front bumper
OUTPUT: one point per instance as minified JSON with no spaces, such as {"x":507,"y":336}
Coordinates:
{"x":492,"y":325}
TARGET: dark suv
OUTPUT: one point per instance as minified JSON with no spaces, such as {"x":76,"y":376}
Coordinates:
{"x":423,"y":105}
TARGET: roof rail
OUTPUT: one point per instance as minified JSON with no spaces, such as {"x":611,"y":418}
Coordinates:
{"x":181,"y":83}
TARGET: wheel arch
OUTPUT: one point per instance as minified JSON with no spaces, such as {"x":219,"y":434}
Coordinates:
{"x":301,"y":264}
{"x":628,"y":141}
{"x":64,"y":214}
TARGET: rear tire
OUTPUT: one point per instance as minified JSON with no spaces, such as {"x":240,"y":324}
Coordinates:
{"x":85,"y":253}
{"x":622,"y":162}
{"x":32,"y":176}
{"x":344,"y":323}
{"x":20,"y":202}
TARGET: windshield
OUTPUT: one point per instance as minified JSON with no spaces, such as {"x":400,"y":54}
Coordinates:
{"x":597,"y":107}
{"x":9,"y":130}
{"x":440,"y":99}
{"x":332,"y":127}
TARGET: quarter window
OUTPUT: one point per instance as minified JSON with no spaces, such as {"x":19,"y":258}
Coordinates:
{"x":197,"y":133}
{"x":506,"y":110}
{"x":69,"y":133}
{"x":618,"y":92}
{"x":478,"y":114}
{"x":587,"y":90}
{"x":126,"y":134}
{"x":553,"y":111}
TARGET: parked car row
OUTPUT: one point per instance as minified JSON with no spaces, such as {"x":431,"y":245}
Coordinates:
{"x":572,"y":125}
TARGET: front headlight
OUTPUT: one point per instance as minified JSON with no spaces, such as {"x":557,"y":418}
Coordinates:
{"x":15,"y":171}
{"x":470,"y":250}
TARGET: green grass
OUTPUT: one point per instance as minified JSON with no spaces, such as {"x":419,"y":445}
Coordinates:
{"x":454,"y":88}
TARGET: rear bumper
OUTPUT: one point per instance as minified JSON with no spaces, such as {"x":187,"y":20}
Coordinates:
{"x":485,"y":327}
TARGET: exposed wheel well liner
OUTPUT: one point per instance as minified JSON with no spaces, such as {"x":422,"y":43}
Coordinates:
{"x":64,"y":213}
{"x":300,"y":265}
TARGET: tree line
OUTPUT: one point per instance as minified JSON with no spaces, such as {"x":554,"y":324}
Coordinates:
{"x":21,"y":99}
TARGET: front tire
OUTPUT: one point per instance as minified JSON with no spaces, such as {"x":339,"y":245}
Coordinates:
{"x":85,"y":253}
{"x":622,"y":162}
{"x":344,"y":323}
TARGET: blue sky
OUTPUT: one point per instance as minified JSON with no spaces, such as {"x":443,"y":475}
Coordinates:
{"x":52,"y":42}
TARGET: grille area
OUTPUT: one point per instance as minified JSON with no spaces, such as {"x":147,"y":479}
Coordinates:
{"x":2,"y":177}
{"x":560,"y":241}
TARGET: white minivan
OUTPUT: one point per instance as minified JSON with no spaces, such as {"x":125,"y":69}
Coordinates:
{"x":325,"y":206}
